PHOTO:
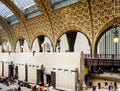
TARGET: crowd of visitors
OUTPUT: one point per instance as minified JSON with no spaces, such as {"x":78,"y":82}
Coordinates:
{"x":110,"y":85}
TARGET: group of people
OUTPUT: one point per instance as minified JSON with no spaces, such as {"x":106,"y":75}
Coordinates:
{"x":7,"y":80}
{"x":112,"y":86}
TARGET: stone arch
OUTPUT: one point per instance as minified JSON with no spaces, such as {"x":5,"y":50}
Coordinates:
{"x":19,"y":37}
{"x":72,"y":28}
{"x":3,"y":40}
{"x":39,"y":34}
{"x":105,"y":26}
{"x":6,"y":45}
{"x":77,"y":29}
{"x":104,"y":29}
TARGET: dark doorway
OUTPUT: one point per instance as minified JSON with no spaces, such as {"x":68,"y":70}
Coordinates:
{"x":16,"y":72}
{"x":11,"y":70}
{"x":48,"y":79}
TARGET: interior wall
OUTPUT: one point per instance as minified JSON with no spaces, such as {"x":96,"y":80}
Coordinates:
{"x":32,"y":73}
{"x":21,"y":72}
{"x":0,"y":68}
{"x":65,"y":80}
{"x":63,"y":61}
{"x":6,"y":71}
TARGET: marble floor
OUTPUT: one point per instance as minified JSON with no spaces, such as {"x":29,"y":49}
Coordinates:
{"x":22,"y":88}
{"x":111,"y":78}
{"x":95,"y":80}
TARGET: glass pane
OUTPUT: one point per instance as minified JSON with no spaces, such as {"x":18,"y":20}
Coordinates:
{"x":1,"y":27}
{"x":28,"y":7}
{"x":7,"y":14}
{"x":107,"y":45}
{"x":61,"y":3}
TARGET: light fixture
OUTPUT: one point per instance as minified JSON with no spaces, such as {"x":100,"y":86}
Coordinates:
{"x":54,"y":68}
{"x":116,"y":39}
{"x":59,"y":70}
{"x":66,"y":71}
{"x":21,"y":41}
{"x":116,"y":34}
{"x":73,"y":71}
{"x":21,"y":46}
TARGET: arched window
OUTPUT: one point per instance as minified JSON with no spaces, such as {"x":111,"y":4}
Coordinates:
{"x":106,"y":45}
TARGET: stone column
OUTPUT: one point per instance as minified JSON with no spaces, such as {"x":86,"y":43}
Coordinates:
{"x":21,"y":41}
{"x":40,"y":41}
{"x":71,"y":37}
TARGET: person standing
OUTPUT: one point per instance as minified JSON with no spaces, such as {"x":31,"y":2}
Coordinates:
{"x":105,"y":82}
{"x":90,"y":84}
{"x":15,"y":89}
{"x":94,"y":88}
{"x":99,"y":85}
{"x":19,"y":88}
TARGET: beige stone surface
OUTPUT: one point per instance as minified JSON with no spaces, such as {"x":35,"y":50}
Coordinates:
{"x":90,"y":17}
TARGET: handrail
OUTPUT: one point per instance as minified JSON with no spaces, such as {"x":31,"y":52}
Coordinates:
{"x":102,"y":60}
{"x":105,"y":56}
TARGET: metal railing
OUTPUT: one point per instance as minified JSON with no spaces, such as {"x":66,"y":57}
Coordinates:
{"x":103,"y":56}
{"x":102,"y":60}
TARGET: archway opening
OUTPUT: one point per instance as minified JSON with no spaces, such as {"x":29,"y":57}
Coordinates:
{"x":73,"y":41}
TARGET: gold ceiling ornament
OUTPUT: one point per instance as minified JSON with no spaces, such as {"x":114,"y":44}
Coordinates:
{"x":116,"y":25}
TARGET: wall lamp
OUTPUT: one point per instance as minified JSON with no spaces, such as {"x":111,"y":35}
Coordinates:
{"x":66,"y":71}
{"x":59,"y":70}
{"x":54,"y":69}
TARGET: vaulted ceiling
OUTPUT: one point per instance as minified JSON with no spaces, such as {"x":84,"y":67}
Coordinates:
{"x":90,"y":17}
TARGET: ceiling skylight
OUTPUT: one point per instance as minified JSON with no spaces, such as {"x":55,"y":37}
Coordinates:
{"x":1,"y":27}
{"x":61,"y":3}
{"x":28,"y":7}
{"x":7,"y":14}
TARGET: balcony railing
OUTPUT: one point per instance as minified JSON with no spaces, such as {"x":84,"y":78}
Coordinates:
{"x":102,"y":60}
{"x":103,"y":56}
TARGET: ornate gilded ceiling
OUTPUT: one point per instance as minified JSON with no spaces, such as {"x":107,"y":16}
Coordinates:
{"x":90,"y":17}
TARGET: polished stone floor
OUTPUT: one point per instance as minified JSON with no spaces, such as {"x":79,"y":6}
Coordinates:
{"x":22,"y":88}
{"x":111,"y":78}
{"x":95,"y":80}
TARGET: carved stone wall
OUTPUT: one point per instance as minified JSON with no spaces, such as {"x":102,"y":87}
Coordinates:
{"x":90,"y":17}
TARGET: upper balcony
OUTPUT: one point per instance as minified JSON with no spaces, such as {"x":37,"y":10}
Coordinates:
{"x":102,"y":60}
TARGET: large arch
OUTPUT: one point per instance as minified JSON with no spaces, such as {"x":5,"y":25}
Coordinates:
{"x":98,"y":39}
{"x":46,"y":40}
{"x":106,"y":26}
{"x":39,"y":34}
{"x":5,"y":46}
{"x":6,"y":26}
{"x":72,"y":27}
{"x":80,"y":35}
{"x":25,"y":44}
{"x":103,"y":30}
{"x":76,"y":28}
